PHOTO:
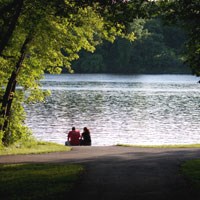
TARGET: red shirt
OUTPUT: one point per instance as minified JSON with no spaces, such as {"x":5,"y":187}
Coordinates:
{"x":73,"y":137}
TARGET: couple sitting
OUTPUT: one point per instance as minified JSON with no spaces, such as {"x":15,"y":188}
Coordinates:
{"x":74,"y":137}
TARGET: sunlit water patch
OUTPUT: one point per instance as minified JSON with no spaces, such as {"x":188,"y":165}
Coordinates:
{"x":145,"y":109}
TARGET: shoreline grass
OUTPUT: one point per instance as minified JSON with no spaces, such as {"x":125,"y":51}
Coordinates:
{"x":38,"y":147}
{"x":162,"y":146}
{"x":38,"y":181}
{"x":33,"y":147}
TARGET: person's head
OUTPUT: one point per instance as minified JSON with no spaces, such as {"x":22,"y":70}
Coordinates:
{"x":73,"y":128}
{"x":86,"y":129}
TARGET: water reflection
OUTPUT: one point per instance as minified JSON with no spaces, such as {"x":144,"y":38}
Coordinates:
{"x":119,"y":109}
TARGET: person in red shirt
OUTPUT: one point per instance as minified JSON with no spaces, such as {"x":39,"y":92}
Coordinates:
{"x":73,"y":137}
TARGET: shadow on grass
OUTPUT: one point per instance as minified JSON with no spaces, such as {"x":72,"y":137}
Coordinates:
{"x":37,"y":181}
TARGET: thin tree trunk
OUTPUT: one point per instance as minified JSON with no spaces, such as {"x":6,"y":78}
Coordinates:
{"x":9,"y":92}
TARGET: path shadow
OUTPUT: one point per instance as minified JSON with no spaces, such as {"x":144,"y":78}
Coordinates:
{"x":136,"y":175}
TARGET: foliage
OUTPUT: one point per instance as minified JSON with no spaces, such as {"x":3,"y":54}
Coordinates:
{"x":186,"y":14}
{"x":157,"y":49}
{"x":37,"y":181}
{"x":43,"y":36}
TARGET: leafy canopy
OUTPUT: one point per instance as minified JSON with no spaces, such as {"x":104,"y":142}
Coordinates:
{"x":186,"y":14}
{"x":56,"y":31}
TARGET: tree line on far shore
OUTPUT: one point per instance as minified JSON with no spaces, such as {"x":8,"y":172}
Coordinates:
{"x":158,"y":49}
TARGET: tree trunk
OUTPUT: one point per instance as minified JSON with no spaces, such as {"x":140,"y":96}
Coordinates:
{"x":9,"y":92}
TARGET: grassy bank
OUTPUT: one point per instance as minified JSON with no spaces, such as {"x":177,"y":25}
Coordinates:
{"x":163,"y":146}
{"x":37,"y":181}
{"x":33,"y":147}
{"x":191,"y":170}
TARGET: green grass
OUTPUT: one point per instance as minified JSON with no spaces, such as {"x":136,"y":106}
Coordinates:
{"x":33,"y":147}
{"x":37,"y":181}
{"x":191,"y":170}
{"x":163,"y":146}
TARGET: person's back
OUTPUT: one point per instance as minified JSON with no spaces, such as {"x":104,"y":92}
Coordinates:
{"x":74,"y":137}
{"x":86,"y":139}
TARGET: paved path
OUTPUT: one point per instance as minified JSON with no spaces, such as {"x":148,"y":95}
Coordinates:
{"x":124,"y":173}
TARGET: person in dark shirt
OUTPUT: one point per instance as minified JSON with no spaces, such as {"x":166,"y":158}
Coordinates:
{"x":85,"y":137}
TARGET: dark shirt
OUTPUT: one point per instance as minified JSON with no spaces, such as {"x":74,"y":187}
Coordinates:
{"x":86,"y":139}
{"x":86,"y":136}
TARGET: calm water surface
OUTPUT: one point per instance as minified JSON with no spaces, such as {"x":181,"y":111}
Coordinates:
{"x":128,"y":109}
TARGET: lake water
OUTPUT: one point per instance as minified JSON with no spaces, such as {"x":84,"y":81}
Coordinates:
{"x":125,"y":109}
